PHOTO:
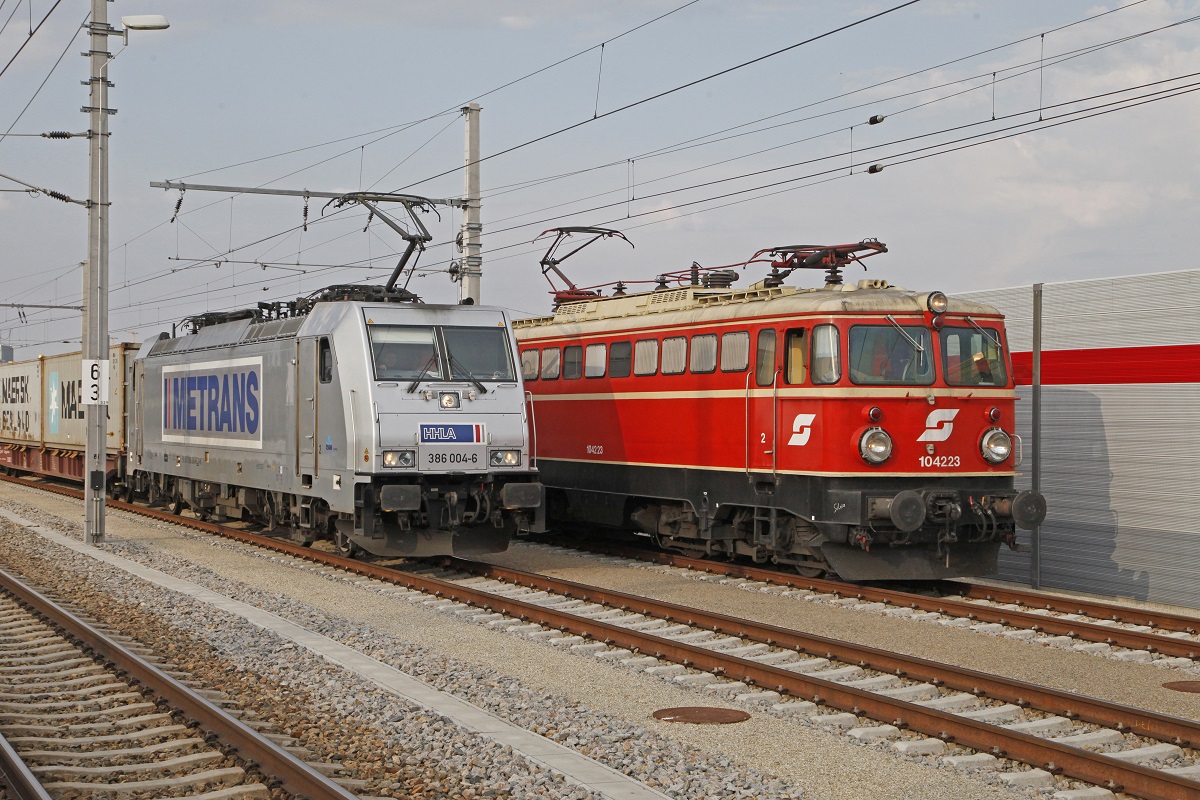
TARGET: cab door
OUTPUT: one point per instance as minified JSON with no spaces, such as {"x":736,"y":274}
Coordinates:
{"x":762,"y":428}
{"x":797,"y":409}
{"x":306,"y":410}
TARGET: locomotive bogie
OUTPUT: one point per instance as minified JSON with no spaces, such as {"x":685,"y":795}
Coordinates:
{"x":864,"y":430}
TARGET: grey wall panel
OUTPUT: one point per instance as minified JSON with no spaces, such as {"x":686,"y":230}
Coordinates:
{"x":1120,"y":470}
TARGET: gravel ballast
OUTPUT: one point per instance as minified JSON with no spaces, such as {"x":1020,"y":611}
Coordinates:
{"x":599,"y":709}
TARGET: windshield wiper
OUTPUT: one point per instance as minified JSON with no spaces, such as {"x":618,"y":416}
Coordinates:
{"x":454,"y":362}
{"x":915,"y":344}
{"x":993,"y":339}
{"x":417,"y":380}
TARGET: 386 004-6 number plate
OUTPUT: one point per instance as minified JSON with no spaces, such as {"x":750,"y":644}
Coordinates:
{"x":451,"y":457}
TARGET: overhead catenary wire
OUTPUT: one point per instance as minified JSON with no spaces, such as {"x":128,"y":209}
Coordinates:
{"x":1015,"y":71}
{"x":447,"y":242}
{"x":943,"y":63}
{"x":450,"y":110}
{"x":32,"y":33}
{"x":671,"y":91}
{"x":899,"y":158}
{"x":42,"y":85}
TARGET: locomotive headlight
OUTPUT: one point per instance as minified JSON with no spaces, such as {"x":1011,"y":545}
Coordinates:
{"x":506,"y":458}
{"x":875,"y":446}
{"x":399,"y":458}
{"x":449,"y":400}
{"x":996,"y":445}
{"x":937,"y":302}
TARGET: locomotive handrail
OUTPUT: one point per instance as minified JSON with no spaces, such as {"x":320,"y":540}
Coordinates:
{"x":532,"y":431}
{"x":352,"y":450}
{"x":775,"y":426}
{"x":748,"y":478}
{"x":1020,"y":456}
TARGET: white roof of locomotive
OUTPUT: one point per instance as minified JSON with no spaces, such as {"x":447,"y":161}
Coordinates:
{"x":698,"y":304}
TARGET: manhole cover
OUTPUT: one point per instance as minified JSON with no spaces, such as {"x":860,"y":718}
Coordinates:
{"x":1183,"y":686}
{"x":701,"y":715}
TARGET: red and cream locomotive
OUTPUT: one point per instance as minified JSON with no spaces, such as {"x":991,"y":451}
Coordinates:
{"x":859,"y":429}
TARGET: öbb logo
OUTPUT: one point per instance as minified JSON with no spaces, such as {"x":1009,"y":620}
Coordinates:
{"x":938,"y":425}
{"x":801,"y":429}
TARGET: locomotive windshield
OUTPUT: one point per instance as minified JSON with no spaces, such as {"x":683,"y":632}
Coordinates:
{"x":430,"y":353}
{"x":973,"y":357}
{"x":405,"y":352}
{"x":891,"y":355}
{"x":479,"y":354}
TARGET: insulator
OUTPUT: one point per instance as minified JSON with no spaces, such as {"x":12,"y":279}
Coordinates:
{"x":370,"y":217}
{"x":306,"y":215}
{"x":720,"y":279}
{"x":875,"y":168}
{"x":58,"y":135}
{"x":875,"y":120}
{"x":178,"y":205}
{"x":59,"y":196}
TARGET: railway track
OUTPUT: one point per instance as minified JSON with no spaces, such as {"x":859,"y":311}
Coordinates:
{"x":920,"y":706}
{"x":1144,"y":633}
{"x":85,"y":715}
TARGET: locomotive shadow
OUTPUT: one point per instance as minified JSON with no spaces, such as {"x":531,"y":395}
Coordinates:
{"x":1080,"y":539}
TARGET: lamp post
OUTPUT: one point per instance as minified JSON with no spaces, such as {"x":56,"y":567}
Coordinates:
{"x":95,"y":279}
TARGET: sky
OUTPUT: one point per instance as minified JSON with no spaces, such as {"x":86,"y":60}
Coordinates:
{"x":1022,"y":141}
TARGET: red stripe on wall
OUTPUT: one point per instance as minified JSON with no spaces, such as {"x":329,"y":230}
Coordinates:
{"x":1112,"y":365}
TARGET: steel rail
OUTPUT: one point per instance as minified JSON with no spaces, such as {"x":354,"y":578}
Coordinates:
{"x":1176,"y":730}
{"x":1071,"y":605}
{"x":1094,"y":768}
{"x":273,"y":761}
{"x":16,"y":779}
{"x":1075,"y":629}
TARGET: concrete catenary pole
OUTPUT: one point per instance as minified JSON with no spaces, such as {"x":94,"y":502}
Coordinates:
{"x":471,"y":267}
{"x":95,"y":281}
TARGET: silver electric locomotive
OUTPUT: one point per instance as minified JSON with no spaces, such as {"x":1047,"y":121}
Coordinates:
{"x":395,"y":428}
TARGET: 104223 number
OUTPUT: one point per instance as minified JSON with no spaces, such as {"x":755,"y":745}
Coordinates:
{"x":941,"y":461}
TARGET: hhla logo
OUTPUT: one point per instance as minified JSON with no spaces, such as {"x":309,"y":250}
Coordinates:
{"x":938,"y":425}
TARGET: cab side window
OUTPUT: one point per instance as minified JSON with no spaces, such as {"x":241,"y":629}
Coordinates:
{"x":826,"y":355}
{"x":764,"y":371}
{"x":325,"y":360}
{"x":797,"y":348}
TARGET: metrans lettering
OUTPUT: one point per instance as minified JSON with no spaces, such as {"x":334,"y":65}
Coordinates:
{"x":216,"y":403}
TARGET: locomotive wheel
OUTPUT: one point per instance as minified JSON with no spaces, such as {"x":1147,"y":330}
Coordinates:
{"x":344,"y":546}
{"x":270,"y":518}
{"x":176,"y":506}
{"x":127,"y":493}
